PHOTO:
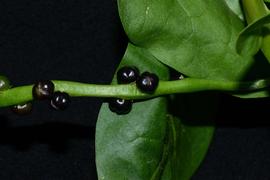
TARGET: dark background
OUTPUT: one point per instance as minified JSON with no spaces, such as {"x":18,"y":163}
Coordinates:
{"x":84,"y":41}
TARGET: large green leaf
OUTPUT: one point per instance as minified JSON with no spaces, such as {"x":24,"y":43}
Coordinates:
{"x":191,"y":129}
{"x":180,"y":164}
{"x":141,"y":144}
{"x":195,"y":37}
{"x":131,"y":146}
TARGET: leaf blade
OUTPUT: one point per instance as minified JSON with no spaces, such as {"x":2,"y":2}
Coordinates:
{"x":197,"y":38}
{"x":250,"y":38}
{"x":130,"y":146}
{"x":193,"y":120}
{"x":201,"y":138}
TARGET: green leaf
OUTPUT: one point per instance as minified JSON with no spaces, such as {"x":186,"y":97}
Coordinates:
{"x":197,"y":38}
{"x":250,"y":39}
{"x":235,"y":6}
{"x":146,"y":142}
{"x":258,"y":94}
{"x":191,"y":128}
{"x":131,"y":146}
{"x":189,"y":149}
{"x":249,"y":43}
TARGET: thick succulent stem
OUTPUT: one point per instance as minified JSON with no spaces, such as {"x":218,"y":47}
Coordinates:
{"x":23,"y":94}
{"x":254,"y":9}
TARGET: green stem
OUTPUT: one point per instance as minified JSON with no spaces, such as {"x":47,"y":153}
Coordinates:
{"x":23,"y":94}
{"x":254,"y":10}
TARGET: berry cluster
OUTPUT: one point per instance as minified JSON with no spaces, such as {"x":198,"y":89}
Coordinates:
{"x":146,"y":82}
{"x":44,"y":90}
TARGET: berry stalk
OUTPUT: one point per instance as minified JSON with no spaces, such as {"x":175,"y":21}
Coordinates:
{"x":22,"y":94}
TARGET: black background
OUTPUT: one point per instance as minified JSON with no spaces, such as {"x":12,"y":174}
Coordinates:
{"x":84,"y":41}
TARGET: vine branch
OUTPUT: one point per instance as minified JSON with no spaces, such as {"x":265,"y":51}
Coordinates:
{"x":22,"y":94}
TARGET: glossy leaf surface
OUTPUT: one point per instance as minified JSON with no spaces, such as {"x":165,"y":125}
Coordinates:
{"x":250,"y":39}
{"x":191,"y":128}
{"x":141,"y":144}
{"x":197,"y":38}
{"x":235,"y":6}
{"x":131,"y":146}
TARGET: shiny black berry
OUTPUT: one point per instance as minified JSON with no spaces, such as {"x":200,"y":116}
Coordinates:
{"x":147,"y":82}
{"x":120,"y":106}
{"x":60,"y":100}
{"x":22,"y":109}
{"x":127,"y":74}
{"x":4,"y":83}
{"x":43,"y":90}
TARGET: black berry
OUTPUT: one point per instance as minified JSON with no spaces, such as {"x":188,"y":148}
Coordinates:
{"x":127,"y":74}
{"x":43,"y":90}
{"x":147,"y":82}
{"x":120,"y":106}
{"x":4,"y":83}
{"x":60,"y":100}
{"x":22,"y":109}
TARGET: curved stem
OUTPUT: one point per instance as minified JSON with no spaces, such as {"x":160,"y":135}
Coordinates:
{"x":254,"y":10}
{"x":23,"y":94}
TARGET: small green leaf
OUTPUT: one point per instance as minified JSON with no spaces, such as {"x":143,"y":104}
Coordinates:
{"x":250,"y":39}
{"x":249,"y":43}
{"x":258,"y":94}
